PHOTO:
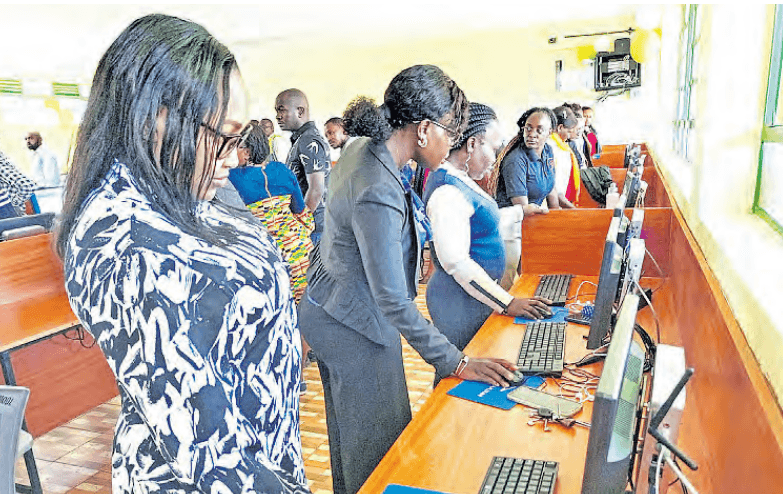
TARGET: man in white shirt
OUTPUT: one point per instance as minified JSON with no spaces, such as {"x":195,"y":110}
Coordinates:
{"x":279,"y":146}
{"x":45,"y":170}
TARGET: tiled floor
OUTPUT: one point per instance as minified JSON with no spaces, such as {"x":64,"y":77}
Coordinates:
{"x":75,"y":458}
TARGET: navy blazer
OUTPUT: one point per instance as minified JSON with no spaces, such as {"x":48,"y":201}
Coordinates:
{"x":364,"y":271}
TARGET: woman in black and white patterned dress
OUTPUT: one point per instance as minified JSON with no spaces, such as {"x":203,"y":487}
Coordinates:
{"x":190,"y":304}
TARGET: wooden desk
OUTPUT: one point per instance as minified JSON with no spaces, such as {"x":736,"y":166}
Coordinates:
{"x":65,"y":379}
{"x":732,"y":425}
{"x":449,"y":444}
{"x":33,"y":303}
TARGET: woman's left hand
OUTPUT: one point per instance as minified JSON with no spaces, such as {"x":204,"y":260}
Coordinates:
{"x":495,"y":371}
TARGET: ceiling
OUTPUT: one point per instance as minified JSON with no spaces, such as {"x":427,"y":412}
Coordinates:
{"x":66,"y":41}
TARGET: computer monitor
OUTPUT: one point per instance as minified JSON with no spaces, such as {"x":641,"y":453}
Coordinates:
{"x":635,"y":228}
{"x":633,"y":259}
{"x":629,"y":176}
{"x":631,"y":151}
{"x":632,"y":194}
{"x":611,"y":443}
{"x":611,"y":266}
{"x":622,"y":232}
{"x":619,"y":208}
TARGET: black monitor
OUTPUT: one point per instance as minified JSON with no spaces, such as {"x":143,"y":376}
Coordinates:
{"x":619,"y":212}
{"x":611,"y":265}
{"x":633,"y":182}
{"x":611,"y":444}
{"x":619,"y":208}
{"x":629,"y":175}
{"x":631,"y":151}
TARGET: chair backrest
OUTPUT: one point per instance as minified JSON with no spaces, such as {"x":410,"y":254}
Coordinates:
{"x":45,"y":220}
{"x":13,"y":401}
{"x":25,"y":231}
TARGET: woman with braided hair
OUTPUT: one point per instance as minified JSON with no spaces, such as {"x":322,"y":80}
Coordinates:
{"x":468,"y":247}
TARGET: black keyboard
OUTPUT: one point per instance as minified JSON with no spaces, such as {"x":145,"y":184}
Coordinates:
{"x":554,"y":287}
{"x":542,"y":348}
{"x":517,"y":476}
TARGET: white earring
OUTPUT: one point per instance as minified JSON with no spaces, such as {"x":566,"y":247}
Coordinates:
{"x":423,"y":142}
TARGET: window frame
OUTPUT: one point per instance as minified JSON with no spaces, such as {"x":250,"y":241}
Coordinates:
{"x":770,"y":132}
{"x":684,"y":119}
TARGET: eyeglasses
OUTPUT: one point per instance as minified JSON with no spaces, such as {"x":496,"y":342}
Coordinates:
{"x":453,"y":135}
{"x":229,"y":142}
{"x":538,"y":130}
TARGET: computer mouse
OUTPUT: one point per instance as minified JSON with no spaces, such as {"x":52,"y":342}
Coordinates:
{"x":518,"y":379}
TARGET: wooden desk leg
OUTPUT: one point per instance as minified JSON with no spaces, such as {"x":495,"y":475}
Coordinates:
{"x":29,"y":458}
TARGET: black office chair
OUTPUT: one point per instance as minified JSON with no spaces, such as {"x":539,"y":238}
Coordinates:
{"x":25,"y":226}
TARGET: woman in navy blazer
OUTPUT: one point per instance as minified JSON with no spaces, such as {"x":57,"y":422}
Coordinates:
{"x":362,"y":278}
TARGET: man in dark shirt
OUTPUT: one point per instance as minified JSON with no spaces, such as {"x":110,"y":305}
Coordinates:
{"x":309,"y":157}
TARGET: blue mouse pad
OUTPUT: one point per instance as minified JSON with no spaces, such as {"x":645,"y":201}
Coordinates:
{"x":487,"y":394}
{"x":403,"y":489}
{"x":558,"y":315}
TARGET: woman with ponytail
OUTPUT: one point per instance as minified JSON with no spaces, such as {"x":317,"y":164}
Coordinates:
{"x":362,"y":277}
{"x":469,"y":252}
{"x":526,"y":172}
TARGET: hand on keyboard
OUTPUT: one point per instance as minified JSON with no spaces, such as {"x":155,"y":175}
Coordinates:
{"x":495,"y":371}
{"x":532,"y":308}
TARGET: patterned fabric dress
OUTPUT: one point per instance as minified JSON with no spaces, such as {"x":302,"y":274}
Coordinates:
{"x":203,"y":341}
{"x":292,"y":234}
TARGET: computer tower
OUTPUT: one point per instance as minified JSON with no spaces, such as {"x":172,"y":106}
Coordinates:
{"x":668,"y":369}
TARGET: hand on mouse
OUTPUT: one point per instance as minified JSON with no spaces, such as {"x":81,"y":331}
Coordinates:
{"x":532,"y":308}
{"x":495,"y":371}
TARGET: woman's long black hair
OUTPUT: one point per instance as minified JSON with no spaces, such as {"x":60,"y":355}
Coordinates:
{"x":159,"y":67}
{"x":421,"y":92}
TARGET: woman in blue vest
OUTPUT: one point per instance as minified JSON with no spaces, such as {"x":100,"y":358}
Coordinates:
{"x":469,"y":251}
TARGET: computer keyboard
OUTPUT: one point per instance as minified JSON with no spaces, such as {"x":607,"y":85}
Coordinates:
{"x":542,"y":348}
{"x":554,"y":287}
{"x":518,"y":476}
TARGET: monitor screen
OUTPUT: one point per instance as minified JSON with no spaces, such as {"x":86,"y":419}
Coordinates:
{"x":608,"y":279}
{"x":611,"y":444}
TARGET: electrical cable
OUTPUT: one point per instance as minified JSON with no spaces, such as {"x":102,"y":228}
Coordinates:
{"x":658,"y":473}
{"x":650,"y":348}
{"x":576,"y":304}
{"x":81,"y":336}
{"x":655,"y":314}
{"x":658,"y":267}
